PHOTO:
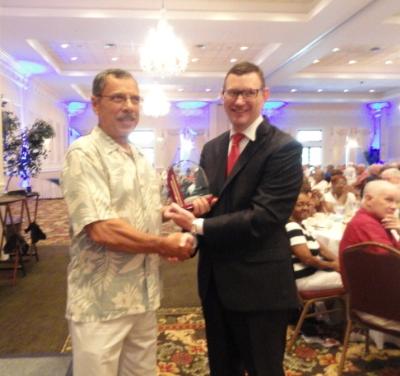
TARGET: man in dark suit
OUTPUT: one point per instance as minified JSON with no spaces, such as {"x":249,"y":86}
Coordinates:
{"x":245,"y":275}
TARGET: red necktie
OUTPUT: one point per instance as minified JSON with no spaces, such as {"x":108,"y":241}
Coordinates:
{"x":234,"y":153}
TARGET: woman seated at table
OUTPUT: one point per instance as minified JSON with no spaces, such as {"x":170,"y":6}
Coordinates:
{"x":315,"y":266}
{"x":339,"y":199}
{"x":318,"y":203}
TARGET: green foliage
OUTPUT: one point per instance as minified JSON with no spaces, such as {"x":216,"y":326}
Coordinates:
{"x":24,"y":149}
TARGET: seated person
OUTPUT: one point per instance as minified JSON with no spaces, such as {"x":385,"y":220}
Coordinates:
{"x":318,"y":182}
{"x":339,"y":199}
{"x":392,"y":175}
{"x":318,"y":204}
{"x":315,"y":266}
{"x":375,"y":221}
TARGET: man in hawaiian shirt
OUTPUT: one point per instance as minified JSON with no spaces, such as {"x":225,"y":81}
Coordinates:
{"x":113,"y":199}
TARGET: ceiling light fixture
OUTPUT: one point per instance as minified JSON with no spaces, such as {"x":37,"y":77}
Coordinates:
{"x":336,"y":49}
{"x":195,"y":60}
{"x":320,"y":90}
{"x":74,"y":58}
{"x":233,"y":60}
{"x":389,"y":62}
{"x":115,"y":58}
{"x":352,"y":62}
{"x":371,"y":90}
{"x":316,"y":61}
{"x":345,"y":90}
{"x":64,"y":45}
{"x":293,"y":90}
{"x":208,"y":90}
{"x":243,"y":48}
{"x":163,"y":53}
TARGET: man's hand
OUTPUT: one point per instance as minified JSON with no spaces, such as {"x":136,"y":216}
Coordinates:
{"x":178,"y":246}
{"x":203,"y":204}
{"x":180,"y":216}
{"x":391,"y":222}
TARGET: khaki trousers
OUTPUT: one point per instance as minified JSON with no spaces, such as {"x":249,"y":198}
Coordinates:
{"x":121,"y":347}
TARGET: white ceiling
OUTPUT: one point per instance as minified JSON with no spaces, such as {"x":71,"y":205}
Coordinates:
{"x":283,"y":36}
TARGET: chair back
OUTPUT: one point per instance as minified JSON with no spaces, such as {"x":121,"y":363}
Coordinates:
{"x":371,"y":274}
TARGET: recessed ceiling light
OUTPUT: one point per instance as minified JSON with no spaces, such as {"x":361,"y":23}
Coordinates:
{"x":293,"y":90}
{"x":336,"y":49}
{"x":195,"y":59}
{"x":345,"y":90}
{"x":64,"y":45}
{"x":74,"y":58}
{"x":320,"y":90}
{"x":243,"y":48}
{"x":208,"y":90}
{"x":352,"y":62}
{"x":115,"y":58}
{"x":180,"y":89}
{"x":316,"y":61}
{"x":371,"y":90}
{"x":233,"y":60}
{"x":388,"y":62}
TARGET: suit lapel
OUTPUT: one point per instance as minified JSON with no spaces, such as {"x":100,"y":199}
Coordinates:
{"x":220,"y":164}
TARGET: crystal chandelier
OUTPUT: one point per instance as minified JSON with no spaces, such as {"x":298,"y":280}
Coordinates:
{"x":155,"y":102}
{"x":163,"y":53}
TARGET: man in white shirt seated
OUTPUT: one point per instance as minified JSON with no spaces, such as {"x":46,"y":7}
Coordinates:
{"x":318,"y":182}
{"x":339,"y":199}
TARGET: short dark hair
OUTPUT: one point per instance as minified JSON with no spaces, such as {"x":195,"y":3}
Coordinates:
{"x":336,"y":178}
{"x":245,"y":67}
{"x":100,"y":79}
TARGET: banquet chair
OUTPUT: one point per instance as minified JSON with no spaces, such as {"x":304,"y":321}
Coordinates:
{"x":308,"y":300}
{"x":371,"y":280}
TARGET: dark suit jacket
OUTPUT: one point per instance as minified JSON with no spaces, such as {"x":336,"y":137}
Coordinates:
{"x":245,"y":246}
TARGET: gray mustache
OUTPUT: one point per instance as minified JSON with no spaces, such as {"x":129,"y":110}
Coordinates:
{"x":127,"y":117}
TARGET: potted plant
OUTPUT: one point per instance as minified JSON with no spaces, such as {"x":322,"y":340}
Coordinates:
{"x":23,"y":148}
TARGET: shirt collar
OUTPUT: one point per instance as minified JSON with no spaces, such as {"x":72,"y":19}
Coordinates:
{"x":250,"y":131}
{"x":107,"y":143}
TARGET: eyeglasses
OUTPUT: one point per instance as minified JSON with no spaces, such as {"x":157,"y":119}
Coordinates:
{"x":122,"y":99}
{"x":246,"y":94}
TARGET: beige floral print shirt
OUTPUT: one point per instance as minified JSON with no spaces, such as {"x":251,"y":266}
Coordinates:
{"x":101,"y":181}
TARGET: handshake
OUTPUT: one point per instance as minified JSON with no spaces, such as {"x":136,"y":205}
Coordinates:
{"x":178,"y":245}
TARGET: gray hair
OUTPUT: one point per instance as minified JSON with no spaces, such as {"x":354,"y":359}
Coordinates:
{"x":100,"y":80}
{"x":390,"y":172}
{"x":376,"y":187}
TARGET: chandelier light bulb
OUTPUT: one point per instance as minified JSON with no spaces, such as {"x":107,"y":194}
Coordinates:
{"x":163,"y":53}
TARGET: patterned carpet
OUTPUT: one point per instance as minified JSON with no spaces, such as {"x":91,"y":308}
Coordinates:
{"x":182,"y":350}
{"x":182,"y":347}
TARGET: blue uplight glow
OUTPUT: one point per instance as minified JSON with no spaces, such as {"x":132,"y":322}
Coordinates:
{"x":191,"y":105}
{"x":75,"y":108}
{"x":30,"y":68}
{"x":378,"y":106}
{"x":274,"y":105}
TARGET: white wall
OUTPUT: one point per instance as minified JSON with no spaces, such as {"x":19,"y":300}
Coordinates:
{"x":31,"y":101}
{"x":336,"y":120}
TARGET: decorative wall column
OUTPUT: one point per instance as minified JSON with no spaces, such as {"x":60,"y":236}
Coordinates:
{"x":376,"y":110}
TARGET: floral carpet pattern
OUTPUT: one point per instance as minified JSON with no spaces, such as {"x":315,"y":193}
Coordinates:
{"x":182,"y":351}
